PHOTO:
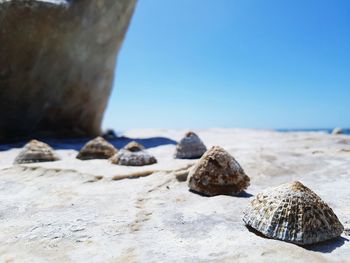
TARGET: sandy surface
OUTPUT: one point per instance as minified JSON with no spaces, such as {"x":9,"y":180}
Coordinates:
{"x":91,"y":211}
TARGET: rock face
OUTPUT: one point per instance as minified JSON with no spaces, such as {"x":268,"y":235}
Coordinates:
{"x":57,"y":62}
{"x":97,"y":148}
{"x":36,"y":152}
{"x":65,"y":212}
{"x":337,"y":131}
{"x":293,"y":213}
{"x":218,"y":173}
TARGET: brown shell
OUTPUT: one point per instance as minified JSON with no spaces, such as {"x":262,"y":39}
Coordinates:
{"x":218,"y":173}
{"x":293,"y":213}
{"x":129,"y":158}
{"x":36,"y":151}
{"x":190,"y":147}
{"x":97,"y":148}
{"x":134,"y":147}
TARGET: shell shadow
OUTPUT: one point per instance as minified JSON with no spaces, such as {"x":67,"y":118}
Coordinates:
{"x":327,"y":246}
{"x":254,"y":231}
{"x":78,"y":143}
{"x":323,"y":247}
{"x":243,"y":194}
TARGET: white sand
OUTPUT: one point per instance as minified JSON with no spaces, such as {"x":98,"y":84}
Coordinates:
{"x":72,"y":210}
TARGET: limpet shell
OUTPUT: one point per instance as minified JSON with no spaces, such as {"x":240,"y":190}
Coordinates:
{"x":218,"y":173}
{"x":190,"y":147}
{"x":133,"y":154}
{"x":97,"y":148}
{"x":293,"y":213}
{"x":36,"y":151}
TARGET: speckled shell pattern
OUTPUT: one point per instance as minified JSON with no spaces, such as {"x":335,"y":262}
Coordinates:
{"x":97,"y":148}
{"x":128,"y":158}
{"x":190,"y":147}
{"x":292,"y":213}
{"x":35,"y":152}
{"x":133,"y":154}
{"x":218,"y":173}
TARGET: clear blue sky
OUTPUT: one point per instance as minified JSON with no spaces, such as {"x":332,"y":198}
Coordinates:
{"x":234,"y":63}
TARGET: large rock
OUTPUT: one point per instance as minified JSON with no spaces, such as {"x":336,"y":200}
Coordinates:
{"x":57,"y":61}
{"x":72,"y":211}
{"x":337,"y":131}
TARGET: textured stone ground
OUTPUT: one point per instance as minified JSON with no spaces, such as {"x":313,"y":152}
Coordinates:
{"x":86,"y":211}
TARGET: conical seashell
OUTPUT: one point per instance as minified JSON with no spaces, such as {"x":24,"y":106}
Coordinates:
{"x":293,"y":213}
{"x":190,"y":147}
{"x":133,"y":154}
{"x":97,"y":148}
{"x":218,"y":173}
{"x":35,"y":152}
{"x":134,"y":147}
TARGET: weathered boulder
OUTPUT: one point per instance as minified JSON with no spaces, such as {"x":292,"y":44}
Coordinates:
{"x":57,"y":62}
{"x":337,"y":131}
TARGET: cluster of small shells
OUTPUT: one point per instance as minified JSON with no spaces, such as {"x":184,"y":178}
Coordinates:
{"x":290,"y":212}
{"x":133,"y":154}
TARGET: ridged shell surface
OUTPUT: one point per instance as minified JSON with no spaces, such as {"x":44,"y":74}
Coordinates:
{"x":292,"y":213}
{"x":97,"y":148}
{"x":134,"y":147}
{"x":133,"y":154}
{"x":218,"y":173}
{"x":190,"y":147}
{"x":36,"y":151}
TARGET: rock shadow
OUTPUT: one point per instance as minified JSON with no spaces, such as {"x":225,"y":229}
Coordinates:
{"x":78,"y":143}
{"x":243,"y":194}
{"x":254,"y":231}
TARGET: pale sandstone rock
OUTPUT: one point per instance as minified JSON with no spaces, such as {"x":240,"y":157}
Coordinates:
{"x":60,"y":212}
{"x":57,"y":63}
{"x":337,"y":131}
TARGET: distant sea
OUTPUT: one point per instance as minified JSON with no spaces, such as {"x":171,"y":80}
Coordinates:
{"x":345,"y":131}
{"x":121,"y":141}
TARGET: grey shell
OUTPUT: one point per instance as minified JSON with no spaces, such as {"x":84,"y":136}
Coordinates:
{"x":133,"y":154}
{"x":97,"y":148}
{"x":218,"y":173}
{"x":190,"y":147}
{"x":36,"y":151}
{"x":292,"y":213}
